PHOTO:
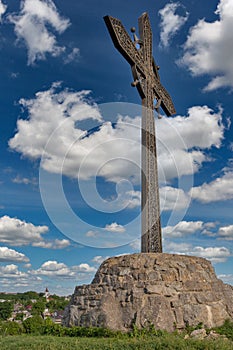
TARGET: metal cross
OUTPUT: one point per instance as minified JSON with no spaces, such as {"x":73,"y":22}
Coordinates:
{"x":138,"y":53}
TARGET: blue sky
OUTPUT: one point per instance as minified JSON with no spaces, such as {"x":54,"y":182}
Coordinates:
{"x":70,"y":138}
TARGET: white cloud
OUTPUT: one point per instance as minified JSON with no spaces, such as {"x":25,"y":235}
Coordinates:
{"x":12,"y":279}
{"x":182,"y":229}
{"x":226,"y":233}
{"x":84,"y":268}
{"x":16,"y":232}
{"x":181,"y":141}
{"x":91,"y":234}
{"x":27,"y":266}
{"x":136,"y":245}
{"x":209,"y":229}
{"x":99,"y":259}
{"x":226,"y":278}
{"x":35,"y":24}
{"x":214,"y":254}
{"x":177,"y":248}
{"x":132,"y":199}
{"x":114,"y":227}
{"x":55,"y":269}
{"x":171,"y":22}
{"x":11,"y":255}
{"x":220,"y":189}
{"x":173,"y":198}
{"x":24,"y":180}
{"x":56,"y":244}
{"x":11,"y":271}
{"x":209,"y":48}
{"x":73,"y":56}
{"x":3,"y":8}
{"x":67,"y":108}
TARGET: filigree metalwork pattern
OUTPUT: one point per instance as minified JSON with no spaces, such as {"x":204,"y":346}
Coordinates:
{"x":147,"y":81}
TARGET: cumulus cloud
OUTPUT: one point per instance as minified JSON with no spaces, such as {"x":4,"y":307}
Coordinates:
{"x":220,"y":189}
{"x":186,"y":228}
{"x":35,"y":26}
{"x":209,"y":48}
{"x":172,"y":198}
{"x":75,"y":152}
{"x":3,"y":8}
{"x":11,"y":255}
{"x":183,"y":228}
{"x":84,"y":268}
{"x":114,"y":227}
{"x":132,"y":199}
{"x":56,"y":244}
{"x":11,"y":271}
{"x":67,"y":108}
{"x":182,"y":141}
{"x":13,"y":279}
{"x":56,"y":269}
{"x":99,"y":259}
{"x":171,"y":22}
{"x":16,"y":232}
{"x":177,"y":248}
{"x":91,"y":234}
{"x":214,"y":254}
{"x":226,"y":233}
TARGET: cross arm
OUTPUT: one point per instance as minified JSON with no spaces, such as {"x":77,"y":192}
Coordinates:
{"x":123,"y":42}
{"x":162,"y":94}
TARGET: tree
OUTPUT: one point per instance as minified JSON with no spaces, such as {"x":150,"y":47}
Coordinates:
{"x":58,"y":304}
{"x":6,"y":309}
{"x":38,"y":308}
{"x":33,"y":325}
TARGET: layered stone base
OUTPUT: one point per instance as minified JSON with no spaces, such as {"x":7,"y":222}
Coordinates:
{"x":167,"y":290}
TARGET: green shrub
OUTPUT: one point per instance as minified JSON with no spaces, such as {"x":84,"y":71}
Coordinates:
{"x":149,"y":331}
{"x":33,"y":325}
{"x":226,"y":329}
{"x":89,"y":332}
{"x":11,"y":328}
{"x":51,"y":328}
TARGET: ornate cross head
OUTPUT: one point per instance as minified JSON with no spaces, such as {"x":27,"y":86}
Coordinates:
{"x":138,"y":53}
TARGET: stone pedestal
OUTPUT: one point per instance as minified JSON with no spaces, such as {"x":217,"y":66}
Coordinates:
{"x":167,"y":290}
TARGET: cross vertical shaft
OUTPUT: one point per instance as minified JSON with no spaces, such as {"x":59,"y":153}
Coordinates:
{"x":147,"y":81}
{"x":151,"y":239}
{"x":151,"y":228}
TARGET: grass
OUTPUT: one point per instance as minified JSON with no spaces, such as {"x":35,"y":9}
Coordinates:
{"x":46,"y":335}
{"x":165,"y":341}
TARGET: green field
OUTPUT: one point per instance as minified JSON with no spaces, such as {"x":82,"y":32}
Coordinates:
{"x":168,"y":342}
{"x":37,"y":334}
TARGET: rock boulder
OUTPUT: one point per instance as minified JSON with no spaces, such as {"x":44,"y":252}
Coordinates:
{"x":167,"y":290}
